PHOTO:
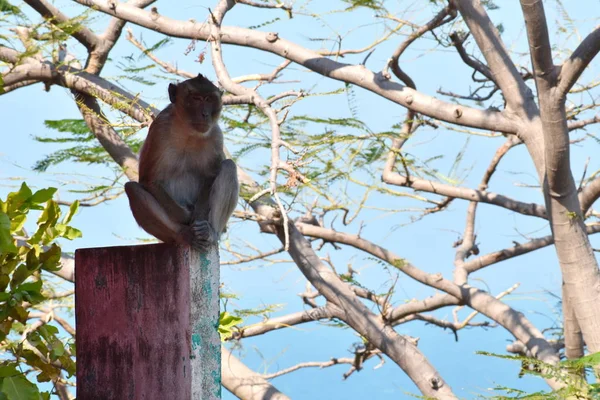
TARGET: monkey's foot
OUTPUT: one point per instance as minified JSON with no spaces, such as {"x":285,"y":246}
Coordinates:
{"x":204,"y":235}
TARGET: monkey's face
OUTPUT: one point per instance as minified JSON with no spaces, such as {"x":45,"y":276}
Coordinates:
{"x":199,"y":106}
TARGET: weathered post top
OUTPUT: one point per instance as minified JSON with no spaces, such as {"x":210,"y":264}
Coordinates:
{"x":147,"y":323}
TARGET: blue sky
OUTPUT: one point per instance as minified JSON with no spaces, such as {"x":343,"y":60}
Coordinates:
{"x":427,"y":244}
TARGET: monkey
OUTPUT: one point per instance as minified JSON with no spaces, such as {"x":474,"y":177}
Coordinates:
{"x":187,"y":189}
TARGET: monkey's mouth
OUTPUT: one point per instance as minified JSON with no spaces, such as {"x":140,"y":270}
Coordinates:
{"x":201,"y":127}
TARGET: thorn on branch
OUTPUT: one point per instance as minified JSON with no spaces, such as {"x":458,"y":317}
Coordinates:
{"x":367,"y":57}
{"x":272,"y":37}
{"x":435,"y":383}
{"x":212,"y":16}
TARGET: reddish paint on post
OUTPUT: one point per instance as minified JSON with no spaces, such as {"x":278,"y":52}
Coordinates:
{"x":132,"y":317}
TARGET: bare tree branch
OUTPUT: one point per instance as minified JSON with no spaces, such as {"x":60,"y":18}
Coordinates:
{"x":83,"y":35}
{"x":417,"y":306}
{"x":266,"y":5}
{"x":258,"y":101}
{"x":114,"y":145}
{"x":286,"y":321}
{"x":503,"y":70}
{"x":244,"y":383}
{"x":93,"y":85}
{"x":434,"y":23}
{"x":517,"y":250}
{"x":470,"y":61}
{"x":573,"y":337}
{"x":539,"y":45}
{"x":572,"y":69}
{"x":483,"y":196}
{"x":483,"y":302}
{"x":572,"y":125}
{"x":589,"y":194}
{"x":350,"y":308}
{"x":354,"y":74}
{"x":334,"y":361}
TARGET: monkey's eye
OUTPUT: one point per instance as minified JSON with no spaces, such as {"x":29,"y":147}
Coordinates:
{"x":201,"y":98}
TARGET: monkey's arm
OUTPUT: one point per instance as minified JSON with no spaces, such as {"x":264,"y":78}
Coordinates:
{"x":153,"y":218}
{"x":223,"y":196}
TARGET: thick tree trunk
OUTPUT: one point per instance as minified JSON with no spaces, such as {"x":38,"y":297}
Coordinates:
{"x":579,"y":268}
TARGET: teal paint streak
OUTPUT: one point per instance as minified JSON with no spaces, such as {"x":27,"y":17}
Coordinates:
{"x":215,"y":351}
{"x":196,"y":340}
{"x":216,"y":375}
{"x":206,"y":272}
{"x":205,"y":340}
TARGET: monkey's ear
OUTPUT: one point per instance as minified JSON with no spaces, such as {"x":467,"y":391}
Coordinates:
{"x":172,"y":92}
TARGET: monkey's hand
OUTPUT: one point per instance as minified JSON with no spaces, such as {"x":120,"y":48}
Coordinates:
{"x":200,"y":235}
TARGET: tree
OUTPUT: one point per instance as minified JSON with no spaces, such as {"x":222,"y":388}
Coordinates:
{"x":339,"y":168}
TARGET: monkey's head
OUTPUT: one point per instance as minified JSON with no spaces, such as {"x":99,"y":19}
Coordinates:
{"x":197,"y":101}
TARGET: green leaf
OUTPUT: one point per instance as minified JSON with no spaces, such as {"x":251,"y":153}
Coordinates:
{"x":17,"y":222}
{"x":72,"y":233}
{"x":9,"y":266}
{"x":46,"y":221}
{"x":30,"y":287}
{"x":20,"y":274}
{"x":19,"y":388}
{"x":20,"y":314}
{"x":590,"y":360}
{"x":76,"y":126}
{"x":4,"y":296}
{"x":7,"y":244}
{"x":5,"y":328}
{"x":16,"y":199}
{"x":226,"y":323}
{"x":157,"y":45}
{"x":4,"y":281}
{"x":72,"y":210}
{"x":58,"y":349}
{"x":372,"y":4}
{"x":227,"y":320}
{"x":48,"y":331}
{"x":43,"y":195}
{"x":8,"y":370}
{"x":50,"y":259}
{"x":32,"y":261}
{"x":8,"y":8}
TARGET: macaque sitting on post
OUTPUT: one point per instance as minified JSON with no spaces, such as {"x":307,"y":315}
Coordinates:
{"x":187,"y":189}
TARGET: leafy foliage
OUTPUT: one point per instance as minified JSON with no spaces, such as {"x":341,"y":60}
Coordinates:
{"x":372,"y":4}
{"x":490,"y":5}
{"x":566,"y":372}
{"x":227,"y":322}
{"x":22,"y":287}
{"x":6,"y":7}
{"x":86,"y":148}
